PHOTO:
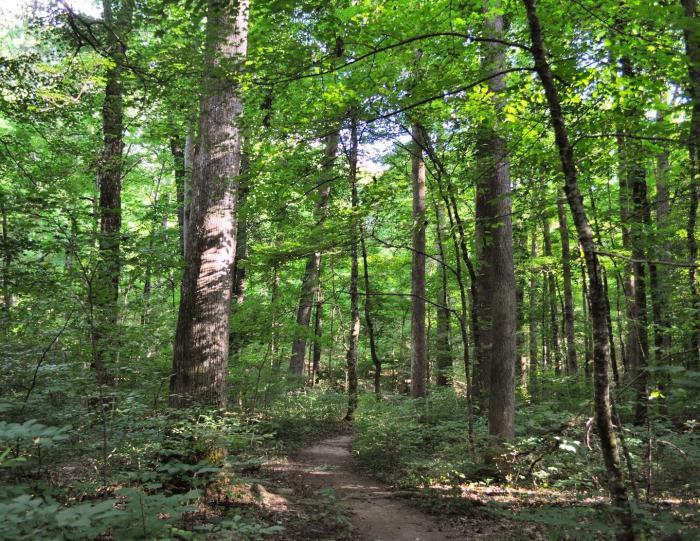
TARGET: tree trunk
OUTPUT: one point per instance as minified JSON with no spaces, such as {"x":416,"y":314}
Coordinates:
{"x":532,"y":319}
{"x":569,"y":328}
{"x":6,"y":263}
{"x":659,"y":276}
{"x":237,"y":336}
{"x":555,"y":344}
{"x":601,"y":355}
{"x":418,"y":337}
{"x":274,"y":324}
{"x":442,"y":337}
{"x":354,"y":335}
{"x":318,"y":335}
{"x":495,"y":268}
{"x":109,"y":182}
{"x":587,"y":339}
{"x":311,"y":274}
{"x":369,"y":323}
{"x":177,"y":149}
{"x":691,"y":33}
{"x":200,"y":360}
{"x":632,"y":169}
{"x":459,"y":245}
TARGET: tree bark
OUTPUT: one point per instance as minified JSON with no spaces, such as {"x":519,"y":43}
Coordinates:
{"x":691,"y":34}
{"x":354,"y":335}
{"x":418,"y":337}
{"x":569,"y":324}
{"x":6,"y":264}
{"x":442,"y":336}
{"x":369,"y":323}
{"x":498,"y":339}
{"x":309,"y":283}
{"x":200,"y":360}
{"x":237,"y":336}
{"x":532,"y":320}
{"x":555,"y":344}
{"x":659,"y":276}
{"x":109,"y":182}
{"x":634,"y":186}
{"x":601,"y":355}
{"x":177,"y":149}
{"x":318,"y":335}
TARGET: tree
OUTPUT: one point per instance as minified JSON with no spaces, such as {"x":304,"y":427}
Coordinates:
{"x":692,"y":49}
{"x":109,"y":182}
{"x":442,"y":337}
{"x":309,"y":284}
{"x":494,"y":213}
{"x":601,"y":351}
{"x":354,"y":334}
{"x":200,"y":360}
{"x":569,"y":330}
{"x":418,"y":336}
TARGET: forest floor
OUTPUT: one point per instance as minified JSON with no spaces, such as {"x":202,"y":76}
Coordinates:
{"x":320,"y":494}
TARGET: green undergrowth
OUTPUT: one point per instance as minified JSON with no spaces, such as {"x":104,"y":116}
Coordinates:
{"x":120,"y":466}
{"x":551,"y":474}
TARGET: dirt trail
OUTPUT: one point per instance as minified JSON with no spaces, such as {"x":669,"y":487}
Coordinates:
{"x":376,"y":514}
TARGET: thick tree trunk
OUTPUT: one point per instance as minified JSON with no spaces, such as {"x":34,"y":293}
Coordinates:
{"x":495,"y":268}
{"x":200,"y":361}
{"x":569,"y":328}
{"x":311,"y":274}
{"x":109,"y":182}
{"x":442,"y":336}
{"x":603,"y":413}
{"x":354,"y":335}
{"x":691,"y":34}
{"x":369,"y":323}
{"x":418,"y":337}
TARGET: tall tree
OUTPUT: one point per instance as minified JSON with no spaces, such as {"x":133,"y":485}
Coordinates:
{"x":442,"y":335}
{"x":601,"y":352}
{"x":369,"y":322}
{"x":110,"y":171}
{"x":200,"y":360}
{"x":309,"y":283}
{"x":569,"y":329}
{"x":634,"y":186}
{"x":532,"y":319}
{"x":691,"y":34}
{"x":418,"y":336}
{"x":494,"y":213}
{"x":554,"y":344}
{"x":354,"y":334}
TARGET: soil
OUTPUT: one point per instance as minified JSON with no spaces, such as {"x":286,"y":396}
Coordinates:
{"x":372,"y":508}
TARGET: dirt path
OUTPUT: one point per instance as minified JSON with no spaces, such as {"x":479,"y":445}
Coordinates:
{"x":376,"y":514}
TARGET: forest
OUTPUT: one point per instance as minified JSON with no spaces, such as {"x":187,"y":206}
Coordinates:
{"x":349,"y":270}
